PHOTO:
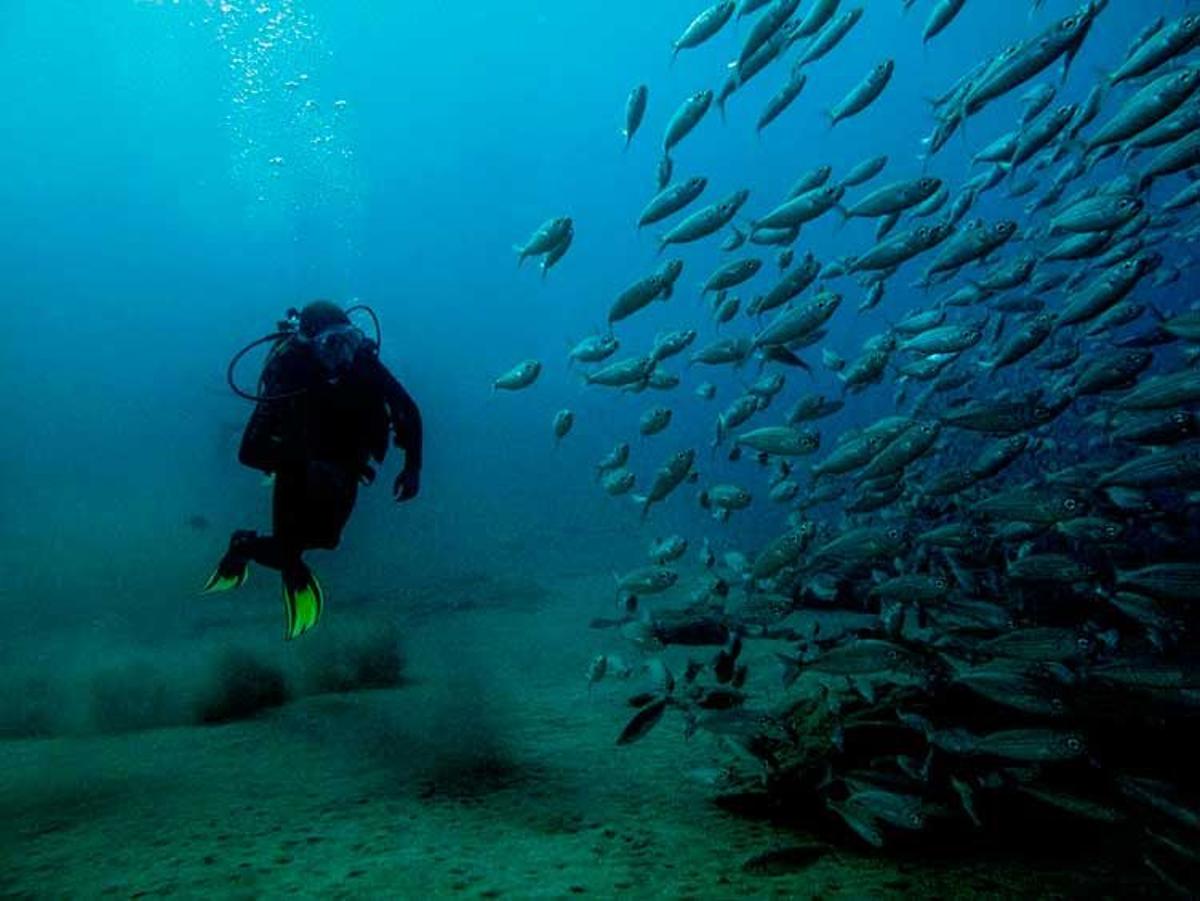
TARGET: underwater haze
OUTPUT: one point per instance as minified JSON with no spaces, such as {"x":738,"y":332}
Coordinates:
{"x":928,"y":625}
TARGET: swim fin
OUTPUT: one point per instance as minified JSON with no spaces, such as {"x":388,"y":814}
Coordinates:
{"x":302,"y":600}
{"x":233,"y":568}
{"x":230,"y":573}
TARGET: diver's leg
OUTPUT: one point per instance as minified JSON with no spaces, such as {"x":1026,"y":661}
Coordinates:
{"x":281,"y":548}
{"x":266,"y":550}
{"x":309,"y":510}
{"x":332,"y":491}
{"x":310,"y":507}
{"x":328,"y":497}
{"x":297,"y":506}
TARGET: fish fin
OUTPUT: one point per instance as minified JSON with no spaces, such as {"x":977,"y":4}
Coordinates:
{"x":791,"y":669}
{"x":863,"y":689}
{"x":915,"y":721}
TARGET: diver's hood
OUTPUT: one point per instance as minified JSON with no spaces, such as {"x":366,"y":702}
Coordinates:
{"x":321,"y":315}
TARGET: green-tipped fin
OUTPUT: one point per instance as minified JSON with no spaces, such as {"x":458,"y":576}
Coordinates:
{"x":303,"y":601}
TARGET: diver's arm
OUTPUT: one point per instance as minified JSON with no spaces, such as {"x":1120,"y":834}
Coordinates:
{"x":407,"y":430}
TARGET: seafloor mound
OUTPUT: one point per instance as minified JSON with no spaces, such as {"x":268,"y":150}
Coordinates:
{"x":102,"y":689}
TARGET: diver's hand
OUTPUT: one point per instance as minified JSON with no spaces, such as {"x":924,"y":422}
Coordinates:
{"x":407,"y":485}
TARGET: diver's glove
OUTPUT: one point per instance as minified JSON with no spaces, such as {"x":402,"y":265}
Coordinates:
{"x":407,"y":485}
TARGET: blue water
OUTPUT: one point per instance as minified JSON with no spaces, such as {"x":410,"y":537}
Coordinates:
{"x":165,"y":194}
{"x":146,"y":235}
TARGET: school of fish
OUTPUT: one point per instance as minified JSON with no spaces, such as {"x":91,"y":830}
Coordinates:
{"x":979,"y":610}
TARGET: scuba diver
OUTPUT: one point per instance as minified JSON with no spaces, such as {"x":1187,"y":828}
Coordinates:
{"x":324,"y":408}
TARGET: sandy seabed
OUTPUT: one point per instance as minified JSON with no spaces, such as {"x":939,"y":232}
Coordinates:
{"x":491,"y":772}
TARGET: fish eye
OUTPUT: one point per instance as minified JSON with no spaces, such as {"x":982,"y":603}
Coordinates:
{"x":893,"y":534}
{"x":940,"y":584}
{"x":1069,"y":504}
{"x":1074,"y":744}
{"x":1068,"y":23}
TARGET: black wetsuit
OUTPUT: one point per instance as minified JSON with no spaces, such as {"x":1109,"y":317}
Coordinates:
{"x":319,"y":443}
